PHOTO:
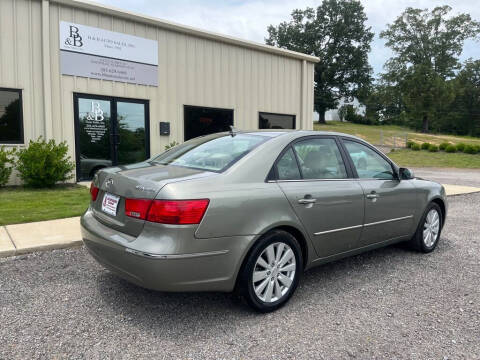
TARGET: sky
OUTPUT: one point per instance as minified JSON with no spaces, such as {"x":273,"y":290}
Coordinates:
{"x":249,"y":19}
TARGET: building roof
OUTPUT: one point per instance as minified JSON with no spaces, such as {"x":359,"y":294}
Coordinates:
{"x":168,"y":25}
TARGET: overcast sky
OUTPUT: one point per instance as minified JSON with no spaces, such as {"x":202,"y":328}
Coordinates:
{"x":248,"y":19}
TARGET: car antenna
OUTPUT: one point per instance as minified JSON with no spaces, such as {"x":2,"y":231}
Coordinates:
{"x":233,"y":131}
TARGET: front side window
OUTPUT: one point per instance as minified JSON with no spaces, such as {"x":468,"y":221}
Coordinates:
{"x":276,"y":121}
{"x":320,"y":158}
{"x":11,"y":123}
{"x":368,"y":163}
{"x":211,"y":154}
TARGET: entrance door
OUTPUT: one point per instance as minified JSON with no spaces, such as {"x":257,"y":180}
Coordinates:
{"x":201,"y":121}
{"x":109,"y":131}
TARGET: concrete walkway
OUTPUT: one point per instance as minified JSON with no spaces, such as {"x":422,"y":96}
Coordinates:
{"x":62,"y":233}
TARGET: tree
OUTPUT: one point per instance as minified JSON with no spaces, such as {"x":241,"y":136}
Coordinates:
{"x":466,"y":106}
{"x":426,"y":47}
{"x":426,"y":96}
{"x":337,"y":34}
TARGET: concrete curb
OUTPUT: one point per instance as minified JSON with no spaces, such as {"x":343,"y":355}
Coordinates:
{"x":26,"y":238}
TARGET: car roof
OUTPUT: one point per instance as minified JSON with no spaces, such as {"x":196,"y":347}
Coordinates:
{"x":294,"y":133}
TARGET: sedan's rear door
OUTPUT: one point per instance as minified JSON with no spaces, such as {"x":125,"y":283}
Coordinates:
{"x":327,"y":200}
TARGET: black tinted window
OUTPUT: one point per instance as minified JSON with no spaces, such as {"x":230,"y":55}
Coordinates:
{"x":276,"y":121}
{"x":10,"y":117}
{"x":287,"y":166}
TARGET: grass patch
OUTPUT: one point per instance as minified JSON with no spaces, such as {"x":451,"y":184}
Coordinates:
{"x":410,"y":158}
{"x":373,"y":134}
{"x":21,"y":205}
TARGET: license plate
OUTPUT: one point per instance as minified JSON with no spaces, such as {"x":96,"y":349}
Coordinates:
{"x":110,"y":203}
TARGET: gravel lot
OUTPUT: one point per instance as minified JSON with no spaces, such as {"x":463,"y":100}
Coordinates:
{"x":387,"y":304}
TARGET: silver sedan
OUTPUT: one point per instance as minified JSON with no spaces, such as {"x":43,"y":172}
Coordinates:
{"x":250,"y":211}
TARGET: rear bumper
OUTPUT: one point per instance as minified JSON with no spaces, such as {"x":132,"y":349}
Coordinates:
{"x":203,"y":264}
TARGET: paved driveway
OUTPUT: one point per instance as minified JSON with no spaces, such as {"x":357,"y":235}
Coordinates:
{"x":390,"y":303}
{"x":466,"y":177}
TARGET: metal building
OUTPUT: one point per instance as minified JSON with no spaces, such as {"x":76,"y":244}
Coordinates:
{"x":118,"y":86}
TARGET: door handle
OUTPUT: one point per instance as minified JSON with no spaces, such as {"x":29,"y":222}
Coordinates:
{"x":372,"y":196}
{"x":307,"y":201}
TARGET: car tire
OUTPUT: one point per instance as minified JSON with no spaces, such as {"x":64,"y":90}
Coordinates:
{"x":431,"y":225}
{"x":271,"y":271}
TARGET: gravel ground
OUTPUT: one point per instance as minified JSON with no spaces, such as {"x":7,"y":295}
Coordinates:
{"x":465,"y":177}
{"x":386,"y":304}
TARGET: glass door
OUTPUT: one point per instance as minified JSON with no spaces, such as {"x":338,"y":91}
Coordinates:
{"x":109,"y":131}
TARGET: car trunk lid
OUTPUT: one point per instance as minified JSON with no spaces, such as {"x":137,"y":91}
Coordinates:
{"x":136,"y":181}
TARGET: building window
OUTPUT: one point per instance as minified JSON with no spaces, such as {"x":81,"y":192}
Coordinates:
{"x":11,"y":122}
{"x":276,"y":121}
{"x":201,"y":121}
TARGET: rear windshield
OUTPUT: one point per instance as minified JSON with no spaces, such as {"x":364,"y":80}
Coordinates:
{"x":209,"y":154}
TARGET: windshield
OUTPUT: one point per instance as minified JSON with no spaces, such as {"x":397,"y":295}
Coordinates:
{"x":215,"y":154}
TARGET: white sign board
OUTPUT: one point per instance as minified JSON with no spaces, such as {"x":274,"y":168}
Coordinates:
{"x":95,"y":41}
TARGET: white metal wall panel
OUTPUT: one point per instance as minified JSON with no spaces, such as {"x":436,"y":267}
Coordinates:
{"x":192,"y":71}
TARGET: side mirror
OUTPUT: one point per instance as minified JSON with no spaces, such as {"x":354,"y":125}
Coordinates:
{"x":405,"y":174}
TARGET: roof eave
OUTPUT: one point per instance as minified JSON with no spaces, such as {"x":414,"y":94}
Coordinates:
{"x":168,"y":25}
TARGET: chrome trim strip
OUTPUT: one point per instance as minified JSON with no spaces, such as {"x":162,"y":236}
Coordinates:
{"x":174,"y":256}
{"x":359,"y":226}
{"x":389,"y":220}
{"x":310,"y":180}
{"x":340,"y":229}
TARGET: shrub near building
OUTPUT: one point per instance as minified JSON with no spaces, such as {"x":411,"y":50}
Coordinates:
{"x":43,"y":164}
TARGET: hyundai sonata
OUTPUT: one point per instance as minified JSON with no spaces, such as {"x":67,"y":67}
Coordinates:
{"x":250,"y":211}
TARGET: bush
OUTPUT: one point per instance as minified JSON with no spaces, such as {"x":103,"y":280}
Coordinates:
{"x":477,"y":147}
{"x":425,"y":146}
{"x":5,"y":158}
{"x":43,"y":163}
{"x":433,"y":148}
{"x":451,"y":149}
{"x":410,"y":143}
{"x":470,"y":149}
{"x":415,"y":147}
{"x":443,"y":146}
{"x":460,"y":147}
{"x":171,"y":145}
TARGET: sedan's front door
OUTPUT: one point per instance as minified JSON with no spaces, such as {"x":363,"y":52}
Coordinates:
{"x":389,"y":203}
{"x":329,"y":203}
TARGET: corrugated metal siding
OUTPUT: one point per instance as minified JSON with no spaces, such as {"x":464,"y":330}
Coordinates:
{"x":191,"y":70}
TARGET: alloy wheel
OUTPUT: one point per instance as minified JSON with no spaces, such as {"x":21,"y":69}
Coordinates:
{"x":274,"y":272}
{"x":431,"y":228}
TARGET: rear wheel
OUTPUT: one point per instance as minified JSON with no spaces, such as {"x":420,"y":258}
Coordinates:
{"x":428,"y":232}
{"x":272,"y":271}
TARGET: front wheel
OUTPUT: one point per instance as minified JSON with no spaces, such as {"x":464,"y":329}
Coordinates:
{"x":428,"y":232}
{"x":272,"y":271}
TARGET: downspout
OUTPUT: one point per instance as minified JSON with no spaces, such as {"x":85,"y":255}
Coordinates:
{"x":47,"y":89}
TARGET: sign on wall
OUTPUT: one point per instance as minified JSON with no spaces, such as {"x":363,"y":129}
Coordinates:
{"x":100,"y":54}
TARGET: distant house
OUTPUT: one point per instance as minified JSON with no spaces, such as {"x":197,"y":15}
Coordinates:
{"x":332,"y":115}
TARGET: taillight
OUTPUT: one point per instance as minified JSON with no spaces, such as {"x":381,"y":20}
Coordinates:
{"x":180,"y":212}
{"x":137,"y":208}
{"x":93,"y":191}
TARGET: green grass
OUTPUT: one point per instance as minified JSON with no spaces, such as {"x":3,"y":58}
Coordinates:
{"x":21,"y":205}
{"x":410,"y":158}
{"x":385,"y":134}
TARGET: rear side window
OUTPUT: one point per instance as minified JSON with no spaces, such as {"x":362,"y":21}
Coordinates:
{"x":287,"y":167}
{"x":320,"y":158}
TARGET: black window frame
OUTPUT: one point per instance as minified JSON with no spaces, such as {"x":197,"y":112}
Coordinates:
{"x":22,"y":135}
{"x":280,"y":114}
{"x":273,"y":173}
{"x":394,"y":167}
{"x":185,"y":106}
